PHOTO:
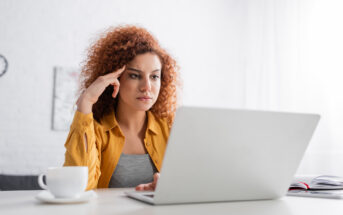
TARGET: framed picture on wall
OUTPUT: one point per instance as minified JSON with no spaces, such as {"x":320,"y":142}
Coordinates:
{"x":66,"y":84}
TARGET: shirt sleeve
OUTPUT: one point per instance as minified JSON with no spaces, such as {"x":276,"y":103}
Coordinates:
{"x":77,"y":154}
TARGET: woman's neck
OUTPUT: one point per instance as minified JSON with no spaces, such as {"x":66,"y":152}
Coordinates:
{"x":130,"y":119}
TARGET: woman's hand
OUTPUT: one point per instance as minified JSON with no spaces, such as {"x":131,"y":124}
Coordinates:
{"x":149,"y":186}
{"x":91,"y":94}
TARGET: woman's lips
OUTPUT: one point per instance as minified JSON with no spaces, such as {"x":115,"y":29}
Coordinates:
{"x":144,"y":98}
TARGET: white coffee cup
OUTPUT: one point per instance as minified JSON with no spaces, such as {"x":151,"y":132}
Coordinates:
{"x":65,"y":182}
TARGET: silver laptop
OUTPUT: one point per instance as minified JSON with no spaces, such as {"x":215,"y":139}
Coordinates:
{"x":216,"y":155}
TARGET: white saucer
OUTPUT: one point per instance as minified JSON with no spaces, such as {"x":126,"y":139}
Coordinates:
{"x":46,"y":196}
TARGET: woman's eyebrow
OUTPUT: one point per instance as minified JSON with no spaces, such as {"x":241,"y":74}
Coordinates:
{"x":137,"y":70}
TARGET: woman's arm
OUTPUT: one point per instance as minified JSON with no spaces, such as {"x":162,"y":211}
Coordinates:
{"x":83,"y":145}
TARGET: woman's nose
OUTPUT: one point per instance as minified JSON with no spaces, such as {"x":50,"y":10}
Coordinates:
{"x":145,"y":85}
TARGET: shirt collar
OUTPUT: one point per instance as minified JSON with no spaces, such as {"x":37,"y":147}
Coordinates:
{"x":109,"y":121}
{"x":152,"y":123}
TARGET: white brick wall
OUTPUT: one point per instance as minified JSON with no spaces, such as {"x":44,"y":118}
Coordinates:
{"x":31,"y":152}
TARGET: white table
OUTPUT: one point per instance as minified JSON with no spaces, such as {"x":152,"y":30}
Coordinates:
{"x":113,"y":201}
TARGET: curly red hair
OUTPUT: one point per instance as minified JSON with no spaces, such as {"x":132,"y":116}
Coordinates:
{"x":117,"y":47}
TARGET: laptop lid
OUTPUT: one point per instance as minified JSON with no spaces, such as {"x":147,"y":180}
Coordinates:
{"x":229,"y":155}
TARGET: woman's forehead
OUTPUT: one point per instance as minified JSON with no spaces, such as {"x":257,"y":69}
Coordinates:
{"x":148,"y":61}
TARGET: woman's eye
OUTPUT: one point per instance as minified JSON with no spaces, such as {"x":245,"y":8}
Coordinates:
{"x":155,"y":77}
{"x":133,"y":76}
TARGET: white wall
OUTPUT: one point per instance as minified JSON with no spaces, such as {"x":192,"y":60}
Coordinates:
{"x":218,"y":43}
{"x":38,"y":35}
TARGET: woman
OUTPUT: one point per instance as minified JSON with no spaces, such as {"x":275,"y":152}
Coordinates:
{"x":125,"y":110}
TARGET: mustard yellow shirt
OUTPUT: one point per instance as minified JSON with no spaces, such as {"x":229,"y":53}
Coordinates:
{"x":105,"y":142}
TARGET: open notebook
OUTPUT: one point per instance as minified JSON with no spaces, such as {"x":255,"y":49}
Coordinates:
{"x":321,"y":182}
{"x":323,"y":186}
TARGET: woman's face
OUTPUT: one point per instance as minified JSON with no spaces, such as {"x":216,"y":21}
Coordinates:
{"x":140,"y":82}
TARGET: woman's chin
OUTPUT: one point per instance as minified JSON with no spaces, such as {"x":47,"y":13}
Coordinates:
{"x":143,"y":107}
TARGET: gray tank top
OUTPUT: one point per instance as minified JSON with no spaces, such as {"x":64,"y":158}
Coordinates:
{"x":132,"y":170}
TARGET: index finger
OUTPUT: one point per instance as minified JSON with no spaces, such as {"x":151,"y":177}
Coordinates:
{"x":119,"y":71}
{"x":116,"y":73}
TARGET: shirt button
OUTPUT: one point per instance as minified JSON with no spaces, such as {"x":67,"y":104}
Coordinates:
{"x":85,"y":123}
{"x":148,"y":144}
